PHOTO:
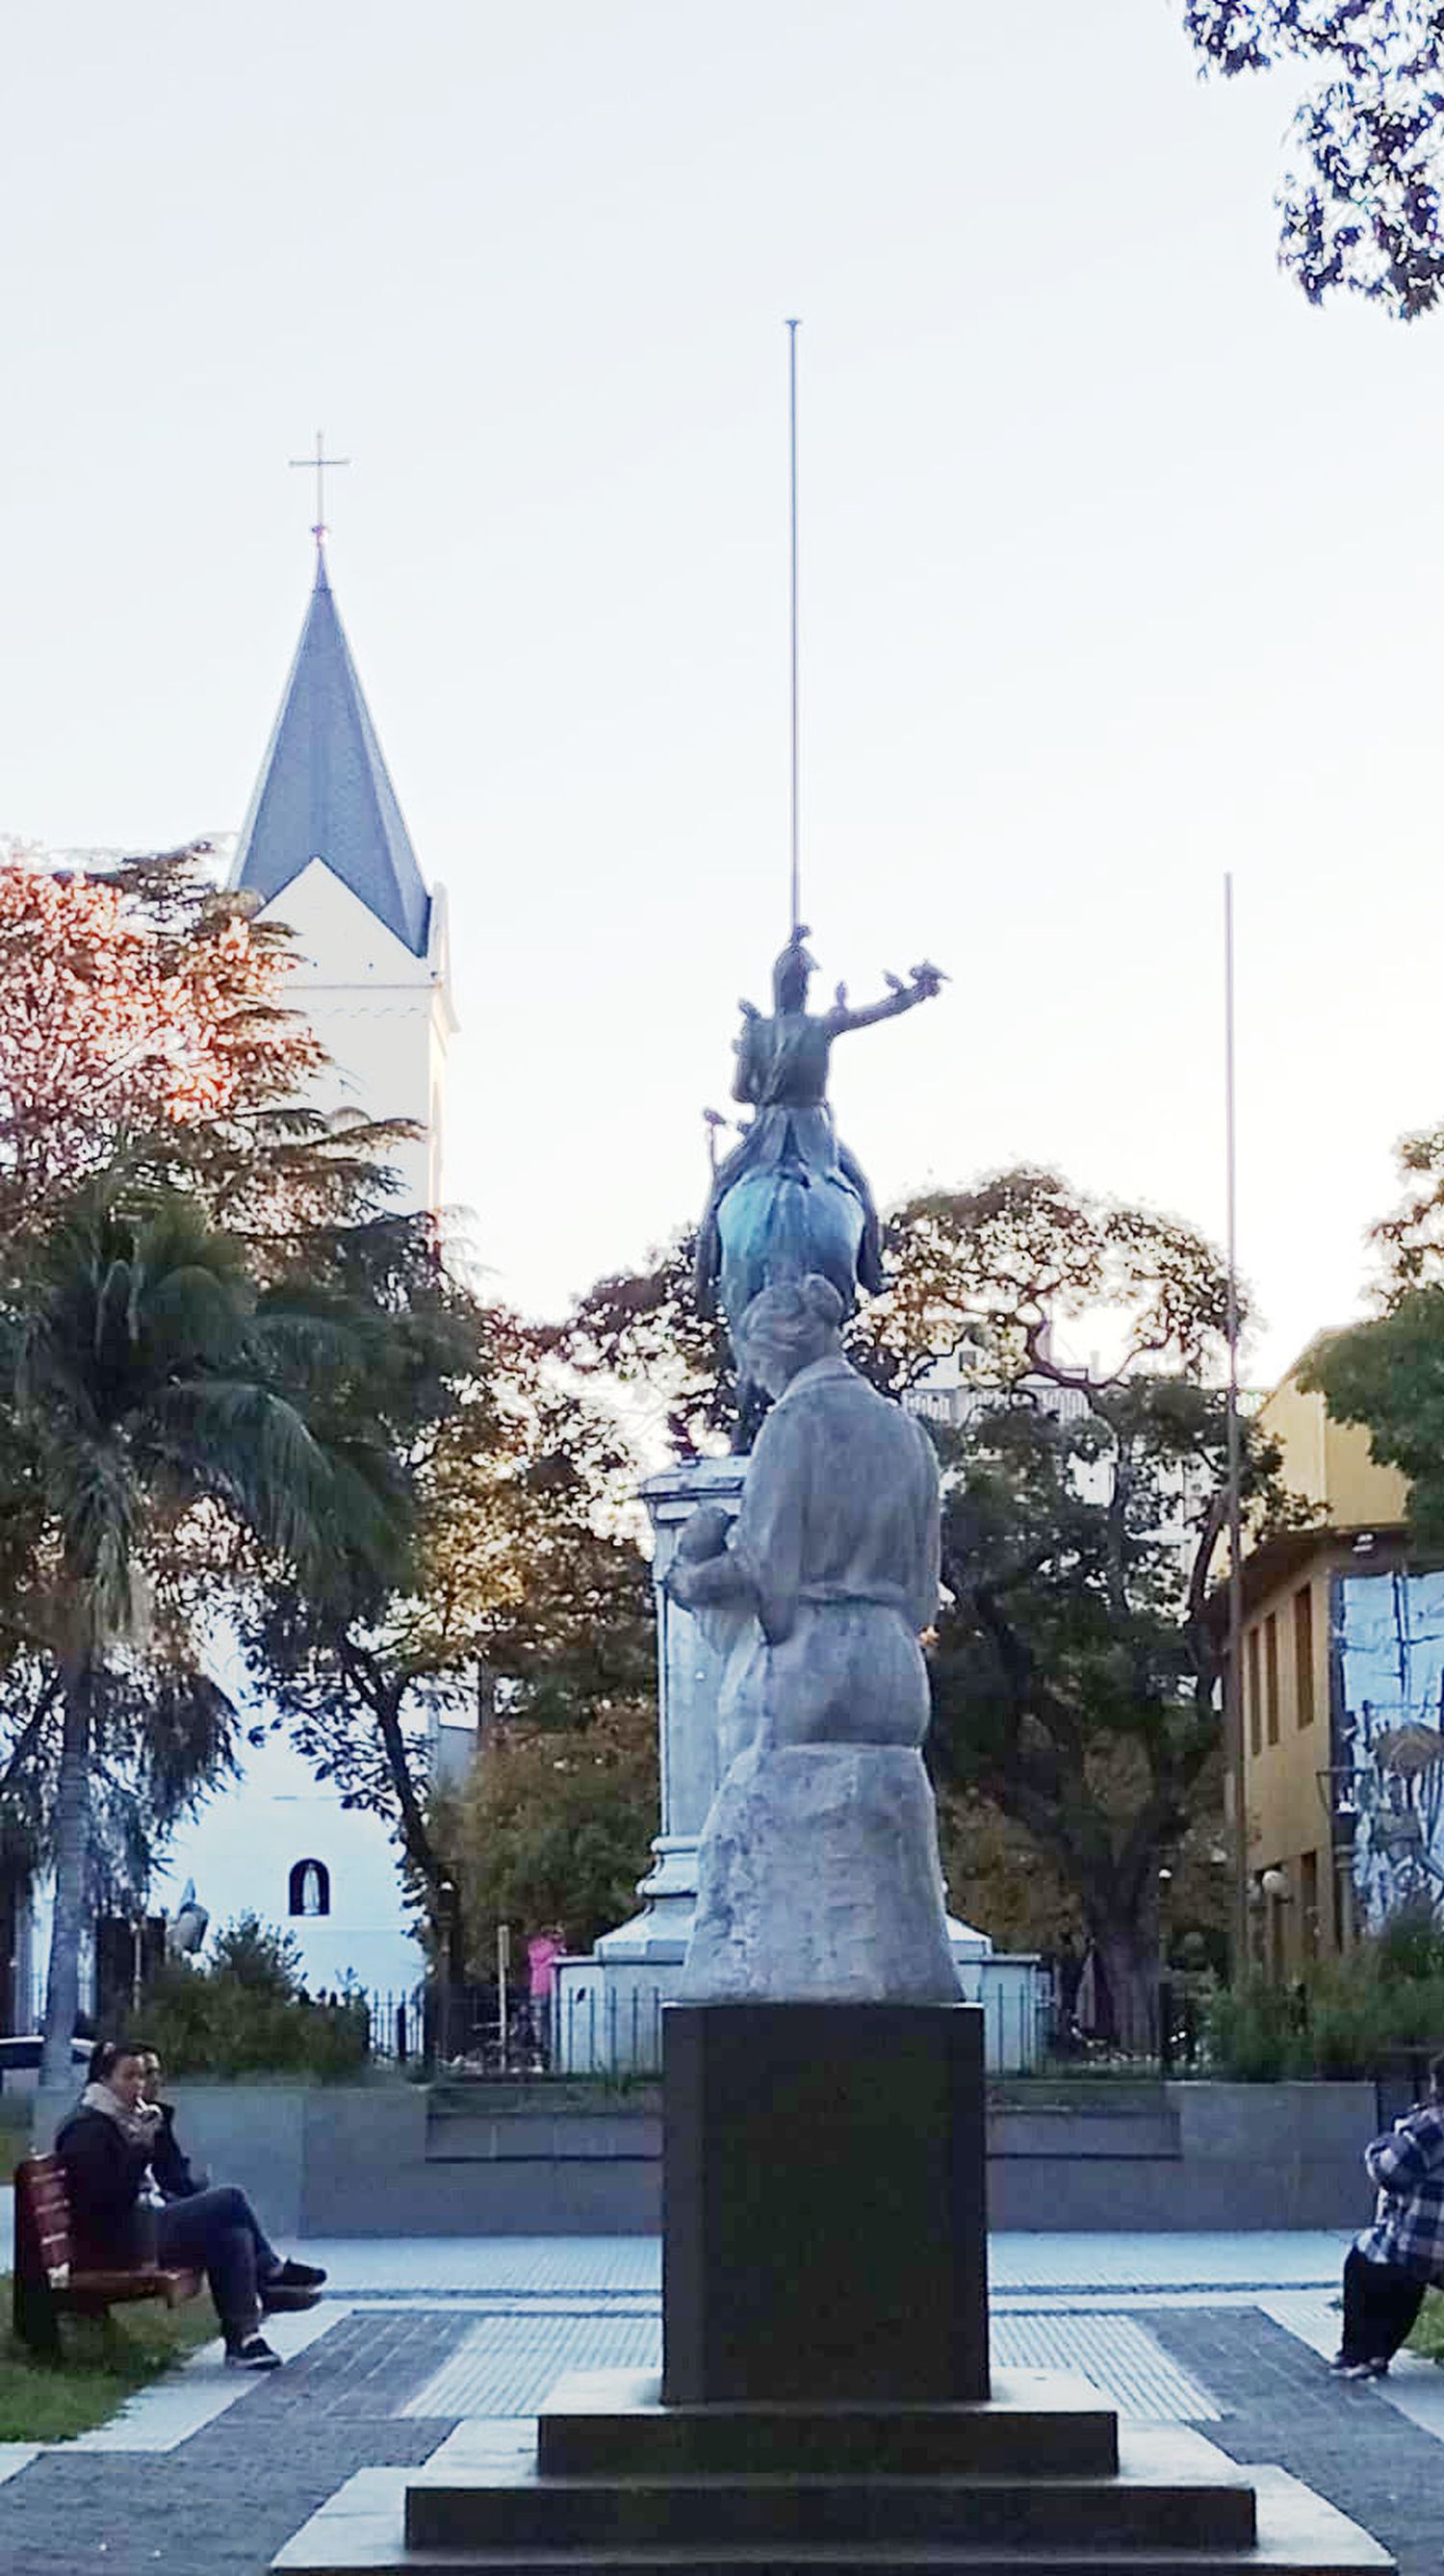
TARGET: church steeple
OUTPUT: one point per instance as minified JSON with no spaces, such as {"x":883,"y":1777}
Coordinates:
{"x":324,"y":791}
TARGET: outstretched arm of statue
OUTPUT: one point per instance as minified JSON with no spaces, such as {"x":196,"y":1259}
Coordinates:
{"x":926,"y":982}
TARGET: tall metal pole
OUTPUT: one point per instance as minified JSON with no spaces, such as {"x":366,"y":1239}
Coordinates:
{"x":796,"y":885}
{"x":1233,"y":1682}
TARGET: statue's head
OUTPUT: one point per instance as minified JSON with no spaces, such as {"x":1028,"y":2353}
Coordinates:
{"x":786,"y":1328}
{"x":791,"y":972}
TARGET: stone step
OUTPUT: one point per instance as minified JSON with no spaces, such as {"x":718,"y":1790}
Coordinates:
{"x":361,"y":2533}
{"x":608,"y":2423}
{"x":1123,"y":2512}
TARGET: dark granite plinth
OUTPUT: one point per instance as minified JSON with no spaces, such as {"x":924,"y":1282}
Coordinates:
{"x":600,"y":2424}
{"x":824,"y":2215}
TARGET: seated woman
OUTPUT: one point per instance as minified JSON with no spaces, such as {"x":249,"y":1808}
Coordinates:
{"x":107,"y":2146}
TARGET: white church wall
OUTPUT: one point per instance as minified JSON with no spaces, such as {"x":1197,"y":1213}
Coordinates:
{"x":241,"y":1851}
{"x":251,"y":1834}
{"x":383,"y":1016}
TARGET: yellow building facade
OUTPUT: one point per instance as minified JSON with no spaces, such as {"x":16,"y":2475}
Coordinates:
{"x":1297,"y":1788}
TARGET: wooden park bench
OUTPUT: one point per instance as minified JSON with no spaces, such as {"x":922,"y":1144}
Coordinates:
{"x":49,"y":2284}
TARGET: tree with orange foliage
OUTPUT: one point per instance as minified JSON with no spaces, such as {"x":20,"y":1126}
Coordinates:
{"x":143,"y":1022}
{"x":149,"y":1062}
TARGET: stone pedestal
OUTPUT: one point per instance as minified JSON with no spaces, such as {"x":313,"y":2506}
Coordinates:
{"x":824,"y":2227}
{"x":608,"y":2007}
{"x":687,"y":1681}
{"x":1039,"y":2480}
{"x":826,"y":2404}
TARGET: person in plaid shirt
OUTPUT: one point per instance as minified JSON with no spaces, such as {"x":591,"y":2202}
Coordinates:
{"x":1391,"y":2264}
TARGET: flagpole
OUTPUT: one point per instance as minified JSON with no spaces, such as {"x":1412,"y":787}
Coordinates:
{"x":796,"y":882}
{"x":1233,"y":1678}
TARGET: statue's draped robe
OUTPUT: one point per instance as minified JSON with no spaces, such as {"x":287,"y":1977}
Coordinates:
{"x":840,"y":1508}
{"x":818,"y":1868}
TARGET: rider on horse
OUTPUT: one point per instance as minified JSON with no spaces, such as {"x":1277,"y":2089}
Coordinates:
{"x":792,"y":1147}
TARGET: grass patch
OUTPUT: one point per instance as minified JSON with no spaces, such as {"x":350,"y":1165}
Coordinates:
{"x":106,"y":2360}
{"x":1427,"y":2336}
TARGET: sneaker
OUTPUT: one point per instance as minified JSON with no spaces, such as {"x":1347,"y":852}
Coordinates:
{"x":254,"y":2354}
{"x":277,"y":2298}
{"x":1365,"y":2370}
{"x":1340,"y":2364}
{"x":297,"y":2276}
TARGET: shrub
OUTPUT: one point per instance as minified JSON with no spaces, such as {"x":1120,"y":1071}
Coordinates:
{"x":1411,"y":1945}
{"x":263,"y":1960}
{"x":1350,"y":2017}
{"x":1253,"y":2032}
{"x":1343,"y":2039}
{"x":245,"y":2013}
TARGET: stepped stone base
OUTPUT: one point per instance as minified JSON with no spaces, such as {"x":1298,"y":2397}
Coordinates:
{"x":1035,"y":2478}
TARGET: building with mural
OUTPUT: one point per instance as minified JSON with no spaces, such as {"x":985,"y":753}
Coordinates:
{"x":1343,"y":1699}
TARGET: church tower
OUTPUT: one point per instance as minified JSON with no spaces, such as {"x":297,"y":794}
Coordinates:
{"x":325,"y":848}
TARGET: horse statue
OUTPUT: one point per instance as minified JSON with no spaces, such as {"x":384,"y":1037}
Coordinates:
{"x":790,"y":1202}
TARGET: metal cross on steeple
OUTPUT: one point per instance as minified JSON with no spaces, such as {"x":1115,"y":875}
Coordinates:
{"x":318,"y":464}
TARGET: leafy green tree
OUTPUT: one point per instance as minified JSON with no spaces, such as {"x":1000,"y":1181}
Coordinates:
{"x":146,"y":1045}
{"x":521,"y":1589}
{"x":163,"y":1734}
{"x":556,"y":1829}
{"x":152,"y":1391}
{"x":1076,"y":1669}
{"x":642,"y":1328}
{"x":1360,"y":199}
{"x":1388,"y":1374}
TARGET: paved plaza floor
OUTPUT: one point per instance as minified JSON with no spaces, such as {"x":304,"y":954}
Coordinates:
{"x":210,"y":2472}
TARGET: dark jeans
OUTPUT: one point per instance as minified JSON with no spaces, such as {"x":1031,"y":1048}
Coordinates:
{"x":219,"y":2231}
{"x":1380,"y":2305}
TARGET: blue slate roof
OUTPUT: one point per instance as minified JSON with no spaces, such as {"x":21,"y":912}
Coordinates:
{"x":324,"y":791}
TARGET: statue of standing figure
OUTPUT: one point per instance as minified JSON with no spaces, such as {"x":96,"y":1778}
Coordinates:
{"x":790,"y":1199}
{"x":818,"y":1871}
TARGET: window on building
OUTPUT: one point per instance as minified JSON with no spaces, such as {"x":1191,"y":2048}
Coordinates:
{"x":1309,"y":1905}
{"x":310,"y":1887}
{"x":1255,"y":1703}
{"x":1271,"y":1677}
{"x":1304,"y":1654}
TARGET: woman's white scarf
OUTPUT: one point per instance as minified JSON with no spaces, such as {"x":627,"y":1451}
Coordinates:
{"x":139,"y":2128}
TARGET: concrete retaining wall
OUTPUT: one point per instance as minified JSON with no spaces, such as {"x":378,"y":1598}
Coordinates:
{"x":368,"y":2160}
{"x":1204,"y":2155}
{"x":387,"y":2160}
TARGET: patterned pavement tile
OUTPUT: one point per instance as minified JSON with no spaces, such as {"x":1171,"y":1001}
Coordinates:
{"x":1279,"y":2403}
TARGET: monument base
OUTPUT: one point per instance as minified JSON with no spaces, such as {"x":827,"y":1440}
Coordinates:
{"x":824,"y":2228}
{"x":1041,"y":2481}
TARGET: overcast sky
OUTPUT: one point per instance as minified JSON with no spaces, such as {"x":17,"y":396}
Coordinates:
{"x":1120,"y":567}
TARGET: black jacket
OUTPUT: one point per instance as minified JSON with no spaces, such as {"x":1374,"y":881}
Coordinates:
{"x":104,"y":2173}
{"x":175,"y":2176}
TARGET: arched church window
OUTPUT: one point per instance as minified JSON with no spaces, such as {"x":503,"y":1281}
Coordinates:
{"x":310,"y":1887}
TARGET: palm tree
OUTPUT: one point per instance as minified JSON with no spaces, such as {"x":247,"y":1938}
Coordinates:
{"x":152,"y":1384}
